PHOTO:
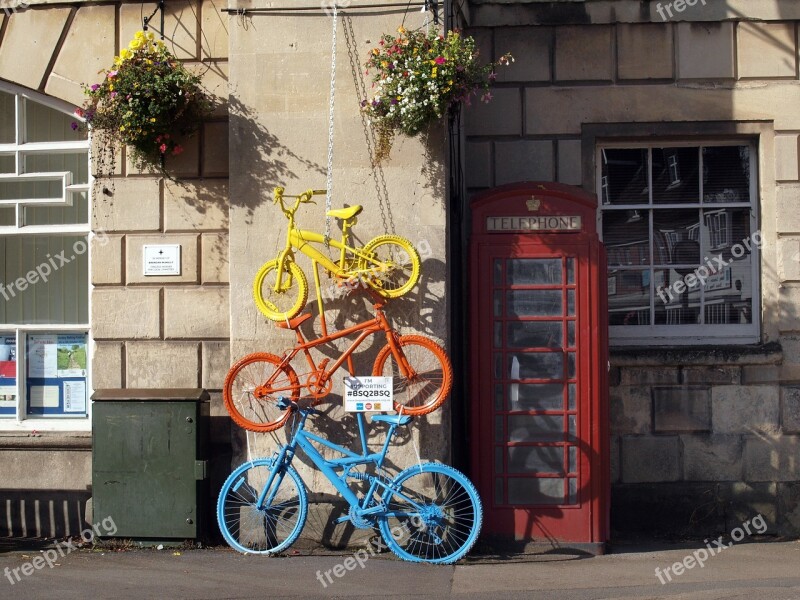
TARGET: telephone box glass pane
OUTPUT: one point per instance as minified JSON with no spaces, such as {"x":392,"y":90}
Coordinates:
{"x":534,"y":303}
{"x":536,"y":365}
{"x":535,"y":428}
{"x":536,"y":459}
{"x":535,"y":396}
{"x":534,"y":271}
{"x":570,"y":271}
{"x":528,"y":490}
{"x":535,"y":334}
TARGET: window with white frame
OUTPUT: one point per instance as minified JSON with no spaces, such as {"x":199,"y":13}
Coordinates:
{"x":44,"y":264}
{"x":679,"y":223}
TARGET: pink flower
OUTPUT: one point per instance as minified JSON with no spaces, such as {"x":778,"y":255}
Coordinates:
{"x":79,"y":112}
{"x":177,"y":150}
{"x":440,"y":60}
{"x":162,"y":148}
{"x":112,"y":74}
{"x":95,"y":87}
{"x":113,"y":94}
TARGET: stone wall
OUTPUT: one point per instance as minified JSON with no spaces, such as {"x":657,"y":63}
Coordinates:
{"x":701,"y":438}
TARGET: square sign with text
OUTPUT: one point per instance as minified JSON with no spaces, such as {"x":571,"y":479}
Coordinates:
{"x":368,"y":394}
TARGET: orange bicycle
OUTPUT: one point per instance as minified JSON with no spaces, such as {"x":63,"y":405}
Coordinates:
{"x":254,"y":386}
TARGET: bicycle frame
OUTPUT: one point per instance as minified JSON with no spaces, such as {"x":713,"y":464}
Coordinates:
{"x":328,"y":467}
{"x":367,"y":328}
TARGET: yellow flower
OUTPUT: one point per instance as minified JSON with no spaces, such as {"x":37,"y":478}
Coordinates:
{"x":135,"y":44}
{"x":125,"y":54}
{"x":401,"y":30}
{"x":151,"y":37}
{"x":152,"y":119}
{"x":433,"y":73}
{"x":110,"y":87}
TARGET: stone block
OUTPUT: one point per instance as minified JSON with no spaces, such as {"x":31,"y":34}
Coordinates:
{"x":786,"y":158}
{"x":722,"y":375}
{"x":107,"y":259}
{"x":790,"y":409}
{"x":134,"y":206}
{"x":221,"y":428}
{"x":583,"y":53}
{"x":523,"y":161}
{"x":196,"y":313}
{"x":712,"y":457}
{"x":478,"y":164}
{"x":214,"y":30}
{"x":772,"y":458}
{"x":631,"y":410}
{"x":705,"y":50}
{"x":570,"y":163}
{"x":28,"y":43}
{"x":789,"y":509}
{"x":125,"y":313}
{"x":651,"y":459}
{"x":187,"y":163}
{"x":214,"y":265}
{"x":196,"y":205}
{"x":788,"y":207}
{"x":644,"y":51}
{"x":215,"y":81}
{"x":46,"y":470}
{"x":87,"y":49}
{"x":216,"y":362}
{"x":766,"y":50}
{"x":649,"y":375}
{"x":107,"y":365}
{"x":760,"y":374}
{"x":134,"y":258}
{"x":681,"y":408}
{"x":501,"y":116}
{"x":745,"y":408}
{"x":162,"y":365}
{"x":789,"y":259}
{"x":745,"y":501}
{"x":181,"y":25}
{"x":531,"y":48}
{"x":215,"y":149}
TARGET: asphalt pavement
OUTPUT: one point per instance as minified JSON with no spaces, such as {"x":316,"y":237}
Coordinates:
{"x":755,"y":570}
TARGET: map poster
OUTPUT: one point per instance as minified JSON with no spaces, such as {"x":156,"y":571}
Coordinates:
{"x":71,"y":355}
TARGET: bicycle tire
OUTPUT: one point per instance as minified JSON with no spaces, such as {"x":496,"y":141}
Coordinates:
{"x":260,"y":414}
{"x":447,"y":526}
{"x":280,"y":306}
{"x":433,"y":377}
{"x":267,"y":530}
{"x":403,"y":261}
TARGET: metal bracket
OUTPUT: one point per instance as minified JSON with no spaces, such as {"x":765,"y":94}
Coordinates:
{"x":146,"y":20}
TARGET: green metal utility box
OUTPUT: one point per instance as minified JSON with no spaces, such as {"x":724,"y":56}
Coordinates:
{"x":149,"y":461}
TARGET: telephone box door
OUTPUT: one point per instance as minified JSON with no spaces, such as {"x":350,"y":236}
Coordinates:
{"x":538,"y":409}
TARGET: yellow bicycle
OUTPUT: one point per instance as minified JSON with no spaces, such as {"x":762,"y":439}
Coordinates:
{"x":389,"y":264}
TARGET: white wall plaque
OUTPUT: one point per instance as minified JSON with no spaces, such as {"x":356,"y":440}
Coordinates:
{"x":164,"y":259}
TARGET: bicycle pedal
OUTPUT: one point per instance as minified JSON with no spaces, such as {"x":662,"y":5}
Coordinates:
{"x":341,"y":519}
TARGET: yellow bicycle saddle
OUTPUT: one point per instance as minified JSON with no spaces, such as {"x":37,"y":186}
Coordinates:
{"x":345,"y":213}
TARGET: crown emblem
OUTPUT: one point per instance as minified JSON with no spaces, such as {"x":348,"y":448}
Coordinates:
{"x":533,"y":204}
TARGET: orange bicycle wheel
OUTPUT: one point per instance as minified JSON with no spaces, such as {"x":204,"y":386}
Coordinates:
{"x":252,"y":389}
{"x":431,"y":376}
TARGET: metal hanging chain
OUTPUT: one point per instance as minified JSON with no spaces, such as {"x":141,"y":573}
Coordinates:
{"x":329,"y":180}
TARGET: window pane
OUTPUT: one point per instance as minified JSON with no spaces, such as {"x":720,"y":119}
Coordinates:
{"x":535,"y":334}
{"x":541,"y":303}
{"x":678,"y":231}
{"x":626,"y":234}
{"x":8,"y":216}
{"x":7,"y":118}
{"x":629,"y":297}
{"x":726,"y":174}
{"x":44,"y":124}
{"x":536,"y":396}
{"x":45,"y":279}
{"x":536,"y":365}
{"x":536,"y":459}
{"x":675,"y":175}
{"x":531,"y":490}
{"x":535,"y":428}
{"x":8,"y":163}
{"x":624,"y":178}
{"x":533,"y":271}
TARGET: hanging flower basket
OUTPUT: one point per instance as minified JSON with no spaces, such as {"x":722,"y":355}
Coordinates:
{"x":418,"y":77}
{"x":147,"y":101}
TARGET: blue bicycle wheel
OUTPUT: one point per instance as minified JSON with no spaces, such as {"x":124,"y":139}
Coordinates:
{"x":434,"y":514}
{"x":271,"y":527}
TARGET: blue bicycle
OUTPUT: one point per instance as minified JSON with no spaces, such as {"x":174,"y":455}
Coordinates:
{"x":429,"y":512}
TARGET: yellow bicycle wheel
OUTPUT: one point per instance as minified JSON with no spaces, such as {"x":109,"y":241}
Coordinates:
{"x":289,"y":300}
{"x":393,"y":266}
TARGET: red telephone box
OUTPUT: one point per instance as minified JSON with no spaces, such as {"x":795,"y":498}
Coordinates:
{"x":538,"y":338}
